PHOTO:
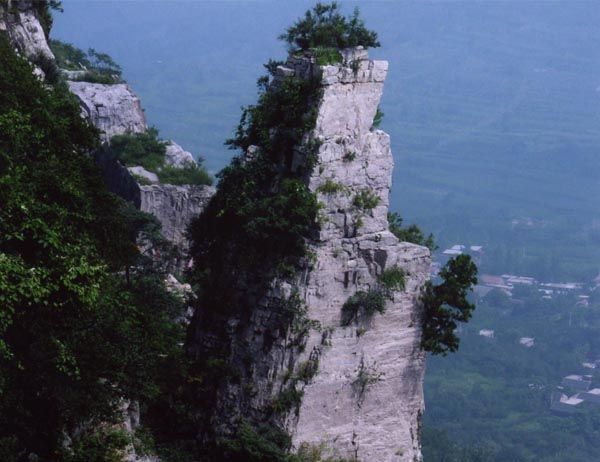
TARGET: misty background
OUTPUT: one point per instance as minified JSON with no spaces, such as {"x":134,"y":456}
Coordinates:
{"x":492,"y":107}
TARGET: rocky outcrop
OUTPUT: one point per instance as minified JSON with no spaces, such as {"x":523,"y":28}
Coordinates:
{"x":175,"y":207}
{"x":144,"y":176}
{"x":363,"y":397}
{"x":352,"y":390}
{"x":367,"y":399}
{"x":114,"y":109}
{"x":176,"y":156}
{"x":18,"y":18}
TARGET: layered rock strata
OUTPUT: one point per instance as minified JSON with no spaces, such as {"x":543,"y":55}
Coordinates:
{"x":364,"y":398}
{"x":115,"y":109}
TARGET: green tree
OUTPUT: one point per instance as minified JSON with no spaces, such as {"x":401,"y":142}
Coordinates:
{"x":326,"y":27}
{"x":76,"y":335}
{"x":411,"y":234}
{"x":446,"y":303}
{"x":143,"y":149}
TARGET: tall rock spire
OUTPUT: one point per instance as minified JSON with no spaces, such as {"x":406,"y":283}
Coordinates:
{"x":366,"y":398}
{"x":331,"y":351}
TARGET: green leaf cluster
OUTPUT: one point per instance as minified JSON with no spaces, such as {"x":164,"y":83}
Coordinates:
{"x":445,"y":304}
{"x":324,"y":56}
{"x":411,"y":234}
{"x":99,"y":67}
{"x":393,"y":278}
{"x":324,"y":26}
{"x":263,"y":443}
{"x":331,"y":187}
{"x":191,"y":174}
{"x":262,"y":207}
{"x":366,"y":199}
{"x":144,"y":149}
{"x":147,"y":150}
{"x":363,"y":304}
{"x":84,"y":317}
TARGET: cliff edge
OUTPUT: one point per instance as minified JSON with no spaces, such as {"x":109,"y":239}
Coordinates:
{"x":327,"y":347}
{"x":367,"y":398}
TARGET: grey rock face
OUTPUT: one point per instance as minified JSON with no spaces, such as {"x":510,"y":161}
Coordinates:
{"x":381,"y":423}
{"x":175,"y":207}
{"x":366,"y":398}
{"x":176,"y":156}
{"x":18,"y":19}
{"x":141,"y":172}
{"x":114,"y":109}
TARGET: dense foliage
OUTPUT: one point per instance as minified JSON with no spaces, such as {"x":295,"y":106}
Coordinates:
{"x":84,"y":317}
{"x":261,"y":204}
{"x":147,"y":150}
{"x":259,"y":218}
{"x":144,"y":149}
{"x":99,"y":67}
{"x":326,"y":27}
{"x":363,"y":304}
{"x":411,"y":234}
{"x":446,"y":303}
{"x":393,"y":278}
{"x":190,"y":174}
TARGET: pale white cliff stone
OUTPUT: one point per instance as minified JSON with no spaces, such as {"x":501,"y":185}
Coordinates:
{"x":113,"y":109}
{"x":176,"y":156}
{"x":183,"y":290}
{"x":353,"y":248}
{"x":175,"y":206}
{"x":18,"y":19}
{"x":350,"y":249}
{"x":143,"y":173}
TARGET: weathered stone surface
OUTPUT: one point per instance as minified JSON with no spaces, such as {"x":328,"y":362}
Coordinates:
{"x":114,"y":109}
{"x":73,"y":75}
{"x":175,"y":207}
{"x":349,"y":251}
{"x":19,"y":20}
{"x":176,"y":156}
{"x":141,"y":172}
{"x":353,"y":248}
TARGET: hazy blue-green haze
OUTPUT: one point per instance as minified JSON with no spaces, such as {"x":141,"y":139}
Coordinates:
{"x":494,"y":113}
{"x":492,"y":106}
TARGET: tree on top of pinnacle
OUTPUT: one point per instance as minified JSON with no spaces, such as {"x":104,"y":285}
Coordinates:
{"x":326,"y":27}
